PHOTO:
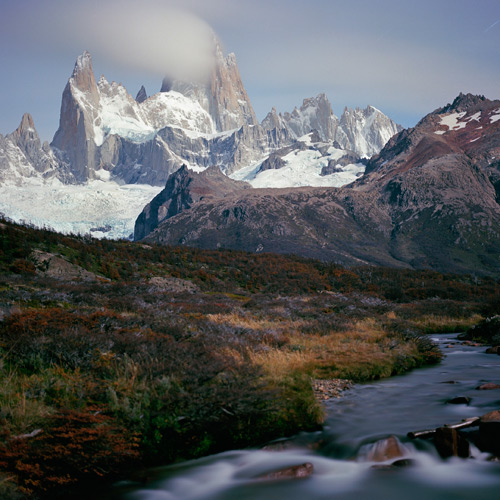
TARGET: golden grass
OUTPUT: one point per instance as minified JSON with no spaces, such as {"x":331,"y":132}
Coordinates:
{"x":21,"y":412}
{"x":364,"y":351}
{"x":253,"y":322}
{"x":445,"y":324}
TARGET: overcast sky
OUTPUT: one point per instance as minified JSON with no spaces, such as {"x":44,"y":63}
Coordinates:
{"x":404,"y":57}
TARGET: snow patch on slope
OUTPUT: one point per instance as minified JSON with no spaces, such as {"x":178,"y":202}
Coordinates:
{"x":455,"y":121}
{"x":303,"y":168}
{"x":495,"y":116}
{"x":118,"y":113}
{"x":176,"y":110}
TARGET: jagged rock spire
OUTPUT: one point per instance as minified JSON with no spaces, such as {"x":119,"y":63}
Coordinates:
{"x":141,"y":95}
{"x":26,"y":137}
{"x":75,"y":135}
{"x":26,"y":129}
{"x":223,"y":96}
{"x":83,"y":74}
{"x":166,"y":84}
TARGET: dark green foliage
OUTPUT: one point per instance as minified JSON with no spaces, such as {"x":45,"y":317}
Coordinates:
{"x":486,"y":331}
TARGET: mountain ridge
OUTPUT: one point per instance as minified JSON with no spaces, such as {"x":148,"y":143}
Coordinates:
{"x":103,"y":128}
{"x":429,"y":199}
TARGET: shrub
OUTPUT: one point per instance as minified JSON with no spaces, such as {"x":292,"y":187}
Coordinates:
{"x":486,"y":331}
{"x":75,"y":447}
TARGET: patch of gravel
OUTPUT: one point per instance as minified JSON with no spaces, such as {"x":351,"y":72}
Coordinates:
{"x":329,"y":389}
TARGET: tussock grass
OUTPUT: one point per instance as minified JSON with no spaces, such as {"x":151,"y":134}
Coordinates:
{"x":445,"y":324}
{"x":363,"y":352}
{"x":258,"y":322}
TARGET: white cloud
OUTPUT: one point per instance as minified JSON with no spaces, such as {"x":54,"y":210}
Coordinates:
{"x":148,"y":36}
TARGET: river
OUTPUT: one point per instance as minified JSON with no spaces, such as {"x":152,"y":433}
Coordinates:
{"x":339,"y":453}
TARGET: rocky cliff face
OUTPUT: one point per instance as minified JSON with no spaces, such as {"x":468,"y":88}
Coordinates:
{"x":183,"y":189}
{"x":365,"y":131}
{"x":75,"y":137}
{"x":24,"y":158}
{"x":223,"y":96}
{"x":429,"y":200}
{"x":141,"y":95}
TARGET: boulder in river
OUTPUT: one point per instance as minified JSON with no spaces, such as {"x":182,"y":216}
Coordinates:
{"x":451,"y":443}
{"x":487,"y":387}
{"x":295,"y":472}
{"x":493,"y":350}
{"x":386,"y":449}
{"x":398,"y":464}
{"x":460,"y":400}
{"x":489,"y":432}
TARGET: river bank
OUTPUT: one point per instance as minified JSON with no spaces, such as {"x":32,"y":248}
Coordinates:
{"x":343,"y":456}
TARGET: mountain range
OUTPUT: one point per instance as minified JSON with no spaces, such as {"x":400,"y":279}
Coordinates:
{"x":112,"y":153}
{"x":429,"y":199}
{"x":354,"y":190}
{"x":103,"y":130}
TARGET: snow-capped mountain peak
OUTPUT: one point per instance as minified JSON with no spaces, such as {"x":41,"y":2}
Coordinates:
{"x":223,"y":96}
{"x":364,"y":131}
{"x":107,"y":136}
{"x":367,"y":130}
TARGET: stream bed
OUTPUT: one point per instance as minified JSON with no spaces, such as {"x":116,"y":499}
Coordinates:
{"x":342,"y":453}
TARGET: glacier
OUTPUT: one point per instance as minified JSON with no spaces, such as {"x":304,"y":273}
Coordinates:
{"x":99,"y":208}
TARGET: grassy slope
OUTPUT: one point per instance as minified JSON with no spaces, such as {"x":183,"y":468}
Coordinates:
{"x":159,"y":375}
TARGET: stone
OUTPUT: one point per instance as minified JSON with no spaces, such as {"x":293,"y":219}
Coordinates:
{"x":273,"y":162}
{"x":451,"y":443}
{"x":398,"y":464}
{"x":493,"y":350}
{"x":404,"y":462}
{"x":295,"y":472}
{"x":55,"y":266}
{"x":459,"y":400}
{"x":386,"y":449}
{"x":489,"y":432}
{"x":487,"y":387}
{"x":278,"y":446}
{"x":327,"y":389}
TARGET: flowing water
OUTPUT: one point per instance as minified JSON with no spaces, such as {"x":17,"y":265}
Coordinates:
{"x":340,"y":452}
